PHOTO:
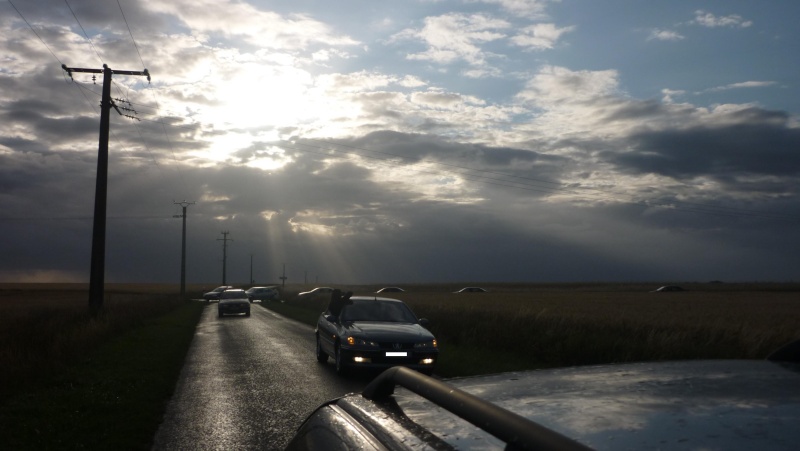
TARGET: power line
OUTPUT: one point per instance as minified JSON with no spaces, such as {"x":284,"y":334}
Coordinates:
{"x":131,"y":33}
{"x":84,"y":32}
{"x":34,"y":32}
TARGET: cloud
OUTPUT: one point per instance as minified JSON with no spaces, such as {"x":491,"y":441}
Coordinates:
{"x":754,"y":143}
{"x":540,"y":36}
{"x":455,"y":37}
{"x":664,"y":35}
{"x":744,"y":85}
{"x":265,"y":29}
{"x":524,"y":8}
{"x":709,"y":20}
{"x":329,"y":160}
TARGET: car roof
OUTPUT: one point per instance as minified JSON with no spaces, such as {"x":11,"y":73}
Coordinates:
{"x":720,"y":404}
{"x":375,"y":298}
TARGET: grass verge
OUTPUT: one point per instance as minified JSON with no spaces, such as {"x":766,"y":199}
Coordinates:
{"x":113,"y":398}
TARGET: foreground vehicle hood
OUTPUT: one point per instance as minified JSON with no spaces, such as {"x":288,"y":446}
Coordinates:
{"x":714,"y":405}
{"x":380,"y":331}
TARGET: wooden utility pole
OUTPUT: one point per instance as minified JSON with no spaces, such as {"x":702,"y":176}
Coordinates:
{"x":224,"y":240}
{"x":183,"y":204}
{"x":97,"y":274}
{"x":283,"y":277}
{"x":252,"y":281}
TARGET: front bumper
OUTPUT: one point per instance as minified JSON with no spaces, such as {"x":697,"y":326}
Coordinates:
{"x":385,"y":358}
{"x":234,"y":308}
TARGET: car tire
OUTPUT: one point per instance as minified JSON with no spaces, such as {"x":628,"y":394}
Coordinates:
{"x":321,"y":356}
{"x":247,"y":314}
{"x":220,"y":314}
{"x":341,"y":368}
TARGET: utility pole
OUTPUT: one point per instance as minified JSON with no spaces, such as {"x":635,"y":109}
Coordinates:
{"x":251,"y":270}
{"x":283,"y":277}
{"x":183,"y":204}
{"x":224,"y":240}
{"x":97,"y":274}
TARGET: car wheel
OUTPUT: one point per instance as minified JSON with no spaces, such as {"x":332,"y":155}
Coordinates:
{"x":247,"y":313}
{"x":219,"y":313}
{"x":321,"y":356}
{"x":340,"y":366}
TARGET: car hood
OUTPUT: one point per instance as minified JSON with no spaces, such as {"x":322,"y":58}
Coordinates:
{"x":720,"y":404}
{"x":385,"y":331}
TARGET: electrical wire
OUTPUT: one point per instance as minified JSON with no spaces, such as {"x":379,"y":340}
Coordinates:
{"x":84,"y":32}
{"x":131,"y":33}
{"x":34,"y":32}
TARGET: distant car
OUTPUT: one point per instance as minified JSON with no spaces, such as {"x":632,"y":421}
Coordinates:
{"x":316,"y":293}
{"x":668,"y":288}
{"x":686,"y":405}
{"x":233,"y":301}
{"x":375,"y":332}
{"x":391,"y":290}
{"x":471,"y":290}
{"x":262,"y":294}
{"x":213,"y":295}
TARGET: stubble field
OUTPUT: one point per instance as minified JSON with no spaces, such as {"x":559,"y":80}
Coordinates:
{"x":549,"y":325}
{"x":513,"y":326}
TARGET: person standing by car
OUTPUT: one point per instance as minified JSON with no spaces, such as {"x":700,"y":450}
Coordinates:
{"x":338,"y":301}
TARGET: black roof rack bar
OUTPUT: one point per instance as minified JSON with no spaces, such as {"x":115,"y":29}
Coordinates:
{"x":518,"y":432}
{"x":789,"y":352}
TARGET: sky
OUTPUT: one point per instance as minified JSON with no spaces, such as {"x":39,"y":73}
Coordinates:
{"x":409,"y":141}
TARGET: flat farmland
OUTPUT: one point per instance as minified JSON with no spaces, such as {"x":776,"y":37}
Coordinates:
{"x":513,"y":326}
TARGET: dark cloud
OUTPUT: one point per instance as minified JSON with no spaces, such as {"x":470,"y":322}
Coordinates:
{"x":762,"y":149}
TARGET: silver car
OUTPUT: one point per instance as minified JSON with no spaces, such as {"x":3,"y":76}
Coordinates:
{"x":233,"y":301}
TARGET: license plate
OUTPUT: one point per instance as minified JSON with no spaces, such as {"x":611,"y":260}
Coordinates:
{"x":396,"y":354}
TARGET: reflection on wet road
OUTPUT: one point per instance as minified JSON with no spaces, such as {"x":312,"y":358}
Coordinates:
{"x":248,"y":383}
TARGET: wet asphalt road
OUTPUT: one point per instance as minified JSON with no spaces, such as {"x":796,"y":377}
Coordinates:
{"x":248,"y":383}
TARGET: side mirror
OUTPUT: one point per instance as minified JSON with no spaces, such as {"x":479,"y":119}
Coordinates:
{"x":424,"y":322}
{"x":332,"y":318}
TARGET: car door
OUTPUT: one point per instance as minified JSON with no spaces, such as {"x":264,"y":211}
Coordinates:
{"x":327,"y":332}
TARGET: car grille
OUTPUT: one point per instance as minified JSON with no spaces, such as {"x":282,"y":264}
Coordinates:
{"x":388,"y":346}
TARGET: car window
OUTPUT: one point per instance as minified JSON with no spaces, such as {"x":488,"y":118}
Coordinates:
{"x":238,"y":294}
{"x":377,"y":311}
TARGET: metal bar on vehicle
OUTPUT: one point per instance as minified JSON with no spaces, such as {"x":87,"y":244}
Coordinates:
{"x":518,"y":432}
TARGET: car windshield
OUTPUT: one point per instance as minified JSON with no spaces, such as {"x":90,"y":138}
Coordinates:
{"x":373,"y":310}
{"x":238,"y":294}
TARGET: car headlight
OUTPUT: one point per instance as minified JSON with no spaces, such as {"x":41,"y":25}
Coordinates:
{"x":426,"y":344}
{"x":353,"y":341}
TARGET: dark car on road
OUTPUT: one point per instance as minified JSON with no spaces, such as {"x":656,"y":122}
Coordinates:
{"x":375,"y":332}
{"x":678,"y":405}
{"x":213,"y":295}
{"x":233,"y":301}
